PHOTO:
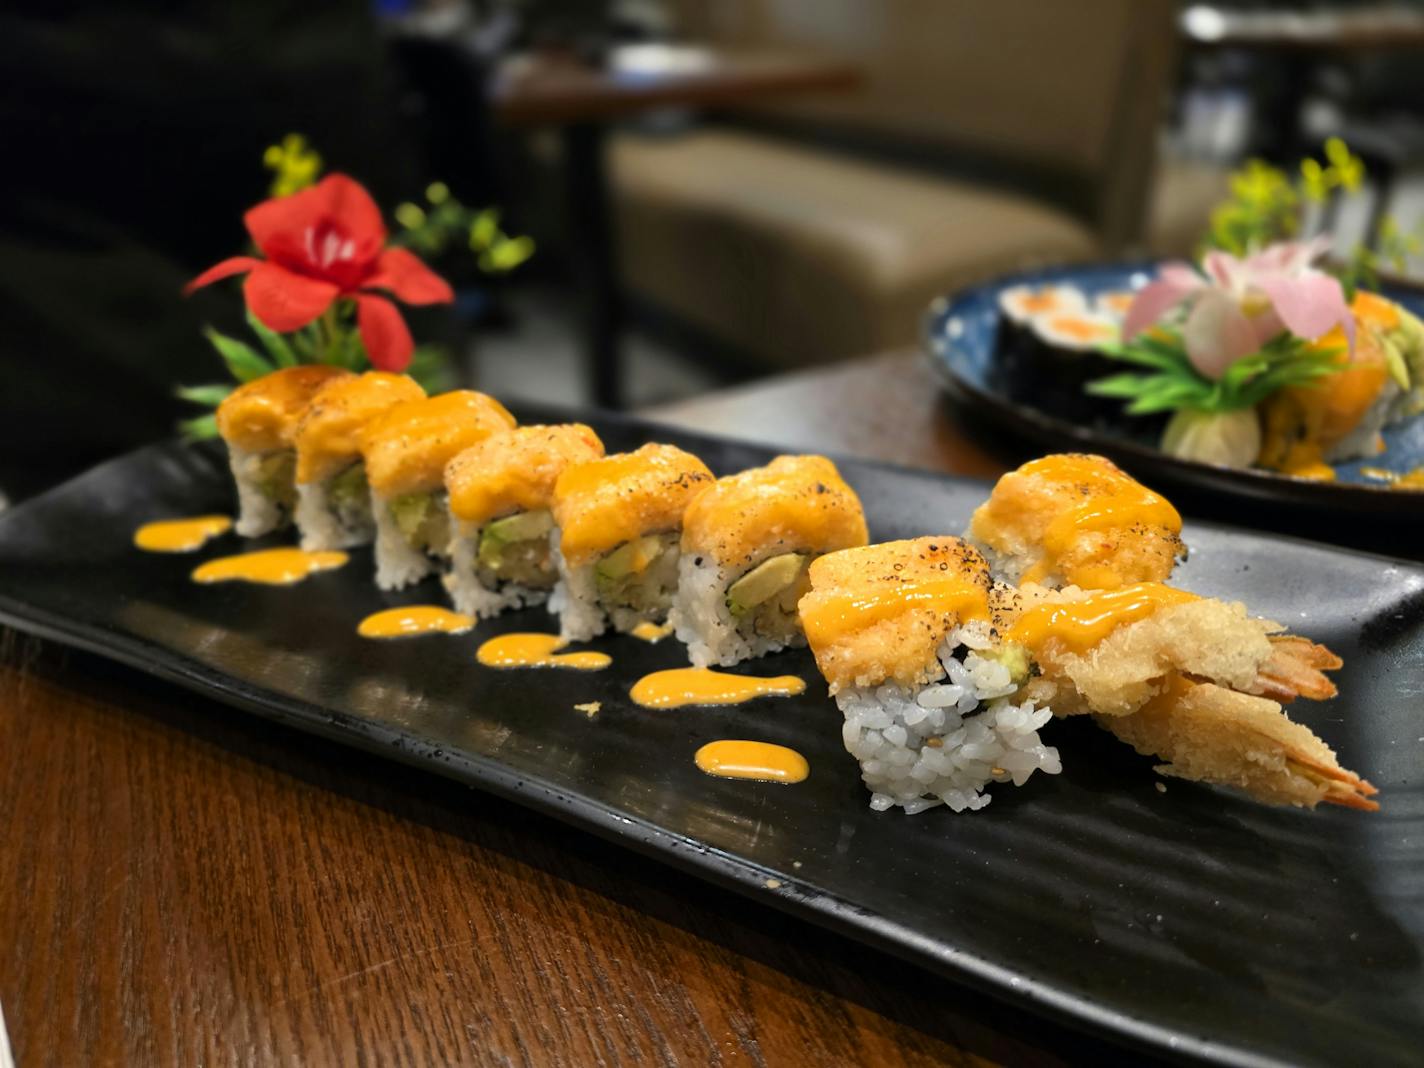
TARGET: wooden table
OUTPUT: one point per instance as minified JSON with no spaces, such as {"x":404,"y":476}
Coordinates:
{"x":582,"y":100}
{"x":186,"y":884}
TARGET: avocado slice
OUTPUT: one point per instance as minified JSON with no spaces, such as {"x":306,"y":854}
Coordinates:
{"x":349,"y":487}
{"x":763,"y":582}
{"x":410,"y":511}
{"x":523,"y":526}
{"x":630,"y":558}
{"x":275,"y":474}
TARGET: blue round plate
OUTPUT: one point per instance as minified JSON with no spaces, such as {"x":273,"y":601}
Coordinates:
{"x":962,"y":334}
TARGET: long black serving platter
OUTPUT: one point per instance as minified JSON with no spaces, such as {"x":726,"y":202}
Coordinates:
{"x":1191,"y":922}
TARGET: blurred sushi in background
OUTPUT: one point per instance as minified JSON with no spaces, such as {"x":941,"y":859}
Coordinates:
{"x":500,"y":492}
{"x":748,"y":542}
{"x":258,"y":421}
{"x":406,"y":449}
{"x":1339,"y":417}
{"x":619,"y":532}
{"x":333,"y":497}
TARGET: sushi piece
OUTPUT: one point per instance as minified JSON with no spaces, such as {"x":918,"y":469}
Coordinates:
{"x":747,"y":544}
{"x":1077,"y":519}
{"x":405,"y":450}
{"x":619,"y":526}
{"x":1195,"y":681}
{"x":1081,"y":332}
{"x":1114,"y":304}
{"x":500,"y":492}
{"x":333,"y":498}
{"x":905,"y":634}
{"x":1021,"y":305}
{"x":1048,"y":352}
{"x":257,"y":421}
{"x":1339,"y":418}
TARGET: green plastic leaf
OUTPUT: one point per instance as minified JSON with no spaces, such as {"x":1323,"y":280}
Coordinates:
{"x":276,"y":345}
{"x":204,"y":426}
{"x":207,"y":396}
{"x":243,"y":361}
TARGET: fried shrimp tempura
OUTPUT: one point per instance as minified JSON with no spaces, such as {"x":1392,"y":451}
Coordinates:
{"x":1194,"y":681}
{"x":1207,"y":733}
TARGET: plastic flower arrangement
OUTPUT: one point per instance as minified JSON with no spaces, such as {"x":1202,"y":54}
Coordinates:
{"x":323,"y":285}
{"x":1260,"y":355}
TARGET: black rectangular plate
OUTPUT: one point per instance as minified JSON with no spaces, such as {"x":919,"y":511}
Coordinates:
{"x":1191,"y":922}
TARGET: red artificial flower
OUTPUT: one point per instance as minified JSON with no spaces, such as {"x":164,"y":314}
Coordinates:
{"x":324,"y":243}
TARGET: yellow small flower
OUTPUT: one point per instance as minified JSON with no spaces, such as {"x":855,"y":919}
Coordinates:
{"x":293,"y":164}
{"x":411,"y":216}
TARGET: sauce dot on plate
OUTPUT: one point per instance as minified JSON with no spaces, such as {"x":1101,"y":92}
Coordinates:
{"x":703,"y":686}
{"x":733,"y":758}
{"x":269,"y":567}
{"x":536,"y":650}
{"x":180,"y":535}
{"x":413,"y":620}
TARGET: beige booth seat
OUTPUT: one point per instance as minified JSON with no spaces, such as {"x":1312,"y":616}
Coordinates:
{"x":807,"y":256}
{"x":796,"y":252}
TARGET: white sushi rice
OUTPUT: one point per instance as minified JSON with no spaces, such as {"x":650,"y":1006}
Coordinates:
{"x":1010,"y":567}
{"x":257,"y":514}
{"x":397,"y":563}
{"x":703,"y":623}
{"x":323,"y":526}
{"x":943,"y":744}
{"x":469,"y":594}
{"x":582,"y":614}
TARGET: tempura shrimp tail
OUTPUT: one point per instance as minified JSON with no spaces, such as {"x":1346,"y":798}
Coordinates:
{"x":1207,"y":733}
{"x":1295,"y":670}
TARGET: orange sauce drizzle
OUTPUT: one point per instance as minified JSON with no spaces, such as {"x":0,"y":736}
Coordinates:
{"x":650,"y":632}
{"x":677,"y":687}
{"x":1115,"y":502}
{"x":180,"y":535}
{"x":840,"y":614}
{"x":1082,"y":624}
{"x":413,"y":620}
{"x":269,"y":567}
{"x":536,"y":650}
{"x":733,"y":758}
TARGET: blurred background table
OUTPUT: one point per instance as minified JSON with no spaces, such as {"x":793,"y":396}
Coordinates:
{"x":581,"y":100}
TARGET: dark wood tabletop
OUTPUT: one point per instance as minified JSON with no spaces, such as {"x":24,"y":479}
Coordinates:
{"x":551,"y":90}
{"x":187,"y":884}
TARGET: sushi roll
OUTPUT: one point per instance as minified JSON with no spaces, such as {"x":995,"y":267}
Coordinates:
{"x":257,"y":421}
{"x":1021,"y":305}
{"x":905,"y":634}
{"x":1080,"y":332}
{"x":1339,"y":417}
{"x":1048,"y":352}
{"x":747,"y":543}
{"x":1077,"y":519}
{"x":619,"y":527}
{"x":1114,"y":304}
{"x":333,"y":498}
{"x":500,"y":492}
{"x":405,"y":450}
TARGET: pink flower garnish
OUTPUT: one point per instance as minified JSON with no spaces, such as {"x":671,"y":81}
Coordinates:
{"x":1237,"y":305}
